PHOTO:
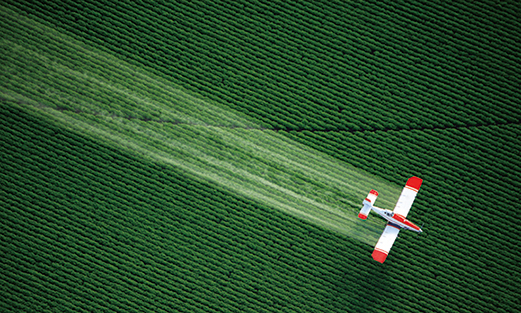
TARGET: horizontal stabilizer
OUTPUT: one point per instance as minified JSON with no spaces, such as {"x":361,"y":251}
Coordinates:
{"x":368,"y":203}
{"x":371,"y":197}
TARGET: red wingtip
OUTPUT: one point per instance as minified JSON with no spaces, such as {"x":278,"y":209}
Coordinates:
{"x":374,"y":192}
{"x":360,"y":215}
{"x":379,"y":256}
{"x":414,"y":182}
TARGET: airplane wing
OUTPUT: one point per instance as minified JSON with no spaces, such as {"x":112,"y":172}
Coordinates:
{"x":384,"y":244}
{"x":407,"y":196}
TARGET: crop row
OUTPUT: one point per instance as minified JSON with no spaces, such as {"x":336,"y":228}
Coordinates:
{"x":441,"y":213}
{"x":194,"y":220}
{"x":69,"y":170}
{"x":253,"y":83}
{"x":72,"y":144}
{"x":66,"y":143}
{"x":89,"y":97}
{"x":66,"y":86}
{"x":424,"y":155}
{"x":299,"y":78}
{"x":172,"y":265}
{"x":468,"y":212}
{"x":403,"y":142}
{"x":73,"y":165}
{"x":71,"y":84}
{"x":463,"y":241}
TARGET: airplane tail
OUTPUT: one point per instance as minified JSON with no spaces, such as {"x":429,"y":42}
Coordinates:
{"x":368,"y":204}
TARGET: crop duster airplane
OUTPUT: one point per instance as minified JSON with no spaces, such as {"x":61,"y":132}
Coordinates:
{"x":395,"y":219}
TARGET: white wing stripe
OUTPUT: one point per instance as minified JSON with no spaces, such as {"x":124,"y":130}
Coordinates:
{"x":387,"y":239}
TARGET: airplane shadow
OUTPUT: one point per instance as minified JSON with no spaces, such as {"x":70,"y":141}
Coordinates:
{"x":366,"y":292}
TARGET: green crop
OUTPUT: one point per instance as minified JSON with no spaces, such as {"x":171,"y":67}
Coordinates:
{"x":212,"y":155}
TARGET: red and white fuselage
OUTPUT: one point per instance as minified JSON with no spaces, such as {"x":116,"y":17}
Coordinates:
{"x":396,"y":220}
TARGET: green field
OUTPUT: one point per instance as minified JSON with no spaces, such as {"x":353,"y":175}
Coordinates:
{"x":212,"y":156}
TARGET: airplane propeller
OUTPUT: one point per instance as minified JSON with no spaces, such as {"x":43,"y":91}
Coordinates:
{"x":421,"y":228}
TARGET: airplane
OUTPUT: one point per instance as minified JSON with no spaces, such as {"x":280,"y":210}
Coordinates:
{"x":396,"y":219}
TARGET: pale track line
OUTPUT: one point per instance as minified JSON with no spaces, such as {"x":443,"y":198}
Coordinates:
{"x":328,"y":196}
